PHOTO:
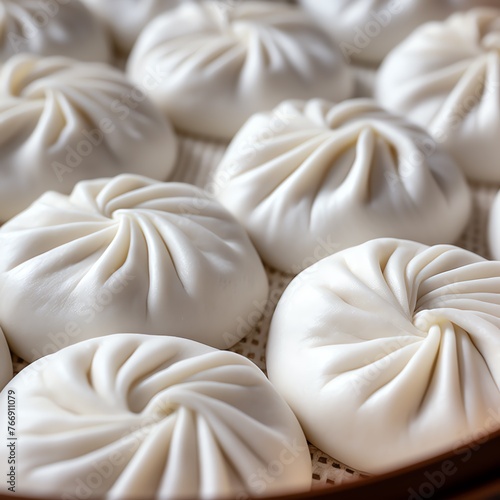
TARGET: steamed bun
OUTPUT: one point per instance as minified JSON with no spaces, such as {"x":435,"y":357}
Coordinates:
{"x":139,"y":416}
{"x":368,"y":29}
{"x":122,"y":255}
{"x":312,"y":177}
{"x":389,"y":352}
{"x":445,"y":77}
{"x":50,"y":28}
{"x":62,"y":121}
{"x":210,"y":68}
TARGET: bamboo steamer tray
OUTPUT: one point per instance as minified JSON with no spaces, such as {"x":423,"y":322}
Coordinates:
{"x":471,"y":467}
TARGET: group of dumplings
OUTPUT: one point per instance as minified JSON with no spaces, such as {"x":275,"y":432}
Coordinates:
{"x":124,"y":290}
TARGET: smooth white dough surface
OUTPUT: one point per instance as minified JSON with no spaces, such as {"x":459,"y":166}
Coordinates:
{"x":62,"y":121}
{"x":139,"y":416}
{"x":368,"y":29}
{"x":494,"y":228}
{"x":123,"y":255}
{"x":445,"y":77}
{"x":209,"y":68}
{"x":311,"y":178}
{"x":389,"y":352}
{"x":51,"y":27}
{"x":6,"y":369}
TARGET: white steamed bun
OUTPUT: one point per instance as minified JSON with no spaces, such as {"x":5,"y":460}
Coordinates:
{"x":368,"y":29}
{"x":210,"y":68}
{"x":312,"y":177}
{"x":123,"y":255}
{"x":389,"y":352}
{"x":62,"y":121}
{"x":50,"y":28}
{"x":445,"y":77}
{"x":139,"y":416}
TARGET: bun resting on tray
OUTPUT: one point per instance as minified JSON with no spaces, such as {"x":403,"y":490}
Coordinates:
{"x":445,"y":77}
{"x":62,"y":121}
{"x":140,"y":416}
{"x":368,"y":29}
{"x":209,"y":68}
{"x":123,"y":255}
{"x":389,"y":352}
{"x":312,"y":177}
{"x":51,"y":27}
{"x":6,"y":369}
